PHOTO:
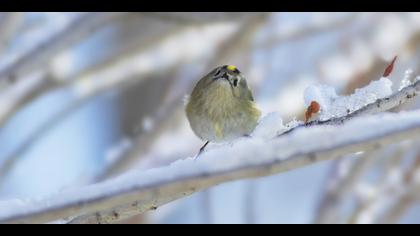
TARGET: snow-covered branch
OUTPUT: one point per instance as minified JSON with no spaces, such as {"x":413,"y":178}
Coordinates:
{"x":107,"y":204}
{"x":137,"y":192}
{"x":380,"y":105}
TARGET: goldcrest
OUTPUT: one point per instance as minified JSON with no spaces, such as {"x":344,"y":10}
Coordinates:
{"x":221,"y":106}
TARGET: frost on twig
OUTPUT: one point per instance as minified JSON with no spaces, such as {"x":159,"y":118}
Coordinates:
{"x":137,"y":192}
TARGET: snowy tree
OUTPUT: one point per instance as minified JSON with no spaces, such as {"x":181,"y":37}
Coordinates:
{"x":94,"y":130}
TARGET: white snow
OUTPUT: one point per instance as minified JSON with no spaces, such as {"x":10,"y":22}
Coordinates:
{"x":406,"y":81}
{"x":269,"y":126}
{"x":322,"y":94}
{"x":243,"y":152}
{"x":333,"y":105}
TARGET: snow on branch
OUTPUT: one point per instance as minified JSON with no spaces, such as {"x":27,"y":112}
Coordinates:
{"x":137,"y":192}
{"x":380,"y":105}
{"x":265,"y":153}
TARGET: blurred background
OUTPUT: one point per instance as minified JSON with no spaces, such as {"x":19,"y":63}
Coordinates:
{"x":88,"y":96}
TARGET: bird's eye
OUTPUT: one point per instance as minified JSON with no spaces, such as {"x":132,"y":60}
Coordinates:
{"x":235,"y":82}
{"x":217,"y":73}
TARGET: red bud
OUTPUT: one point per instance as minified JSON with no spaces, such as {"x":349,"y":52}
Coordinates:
{"x":390,"y":67}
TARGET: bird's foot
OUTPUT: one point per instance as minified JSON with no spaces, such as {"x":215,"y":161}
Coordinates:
{"x":201,"y":150}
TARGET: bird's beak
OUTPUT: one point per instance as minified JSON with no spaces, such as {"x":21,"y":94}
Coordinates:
{"x":224,"y":76}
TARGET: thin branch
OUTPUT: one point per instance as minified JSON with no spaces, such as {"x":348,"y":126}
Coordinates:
{"x":135,"y":193}
{"x":8,"y":163}
{"x":381,"y":105}
{"x":368,"y":206}
{"x":307,"y":31}
{"x":21,"y":93}
{"x":101,"y":80}
{"x":407,"y":197}
{"x":17,"y":98}
{"x":333,"y":198}
{"x":73,"y":33}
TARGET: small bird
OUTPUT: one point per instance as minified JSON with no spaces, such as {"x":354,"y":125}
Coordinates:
{"x":221,"y":107}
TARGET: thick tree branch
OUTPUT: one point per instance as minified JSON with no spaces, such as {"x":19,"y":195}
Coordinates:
{"x":135,"y":193}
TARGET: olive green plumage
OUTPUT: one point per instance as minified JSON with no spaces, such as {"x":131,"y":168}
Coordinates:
{"x":221,"y":106}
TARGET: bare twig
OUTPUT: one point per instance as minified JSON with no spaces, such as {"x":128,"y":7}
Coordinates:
{"x":407,"y":197}
{"x":16,"y":98}
{"x":368,"y":207}
{"x":96,"y":77}
{"x":76,"y":31}
{"x":327,"y":211}
{"x":8,"y":163}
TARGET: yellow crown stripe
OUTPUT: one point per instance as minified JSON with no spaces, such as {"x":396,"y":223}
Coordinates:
{"x":231,"y":68}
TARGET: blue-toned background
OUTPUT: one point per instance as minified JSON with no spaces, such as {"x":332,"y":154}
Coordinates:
{"x":87,"y":96}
